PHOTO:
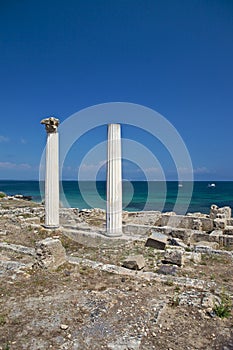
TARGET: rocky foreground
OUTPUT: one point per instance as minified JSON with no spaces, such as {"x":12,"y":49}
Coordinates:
{"x":165,"y":284}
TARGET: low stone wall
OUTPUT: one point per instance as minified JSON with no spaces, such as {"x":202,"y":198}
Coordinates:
{"x":226,"y":241}
{"x":187,"y":222}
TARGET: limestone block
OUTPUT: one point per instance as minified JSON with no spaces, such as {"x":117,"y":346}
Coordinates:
{"x":167,"y":270}
{"x":174,"y":221}
{"x":50,"y":254}
{"x":213,"y":245}
{"x":198,"y":236}
{"x":157,"y":240}
{"x":134,"y":262}
{"x":216,"y":233}
{"x":175,"y":257}
{"x":187,"y":222}
{"x":192,"y":256}
{"x":230,"y":222}
{"x":198,"y":299}
{"x":216,"y":212}
{"x":177,"y":242}
{"x":181,"y":233}
{"x":226,"y":241}
{"x":219,"y":224}
{"x":197,"y":224}
{"x":225,"y":211}
{"x":207,"y":224}
{"x":228,"y":230}
{"x":213,"y":211}
{"x":135,"y":229}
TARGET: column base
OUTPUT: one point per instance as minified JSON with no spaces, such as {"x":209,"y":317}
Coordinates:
{"x":113,"y":234}
{"x":51,"y":227}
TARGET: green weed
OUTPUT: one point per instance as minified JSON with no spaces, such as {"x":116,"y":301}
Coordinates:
{"x":2,"y":320}
{"x":223,"y":310}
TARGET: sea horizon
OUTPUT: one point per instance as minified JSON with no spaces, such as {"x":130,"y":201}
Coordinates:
{"x":137,"y":195}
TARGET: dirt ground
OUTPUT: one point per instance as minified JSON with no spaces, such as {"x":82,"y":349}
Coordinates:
{"x":79,"y":307}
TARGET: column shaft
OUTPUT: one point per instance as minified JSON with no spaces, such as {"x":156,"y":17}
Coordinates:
{"x":52,"y":182}
{"x":114,"y":181}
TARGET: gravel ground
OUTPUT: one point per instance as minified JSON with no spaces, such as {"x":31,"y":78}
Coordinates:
{"x":81,"y":307}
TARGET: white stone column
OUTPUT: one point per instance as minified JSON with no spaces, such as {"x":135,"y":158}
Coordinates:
{"x":114,"y":182}
{"x":52,"y":174}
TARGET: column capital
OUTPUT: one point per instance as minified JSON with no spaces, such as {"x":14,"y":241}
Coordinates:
{"x":51,"y":124}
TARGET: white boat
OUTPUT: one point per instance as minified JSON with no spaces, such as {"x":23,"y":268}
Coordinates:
{"x":212,"y":185}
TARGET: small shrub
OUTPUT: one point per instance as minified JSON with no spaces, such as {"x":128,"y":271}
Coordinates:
{"x":2,"y":320}
{"x":175,"y":301}
{"x":2,"y":194}
{"x":169,"y":282}
{"x":223,"y":310}
{"x":177,"y":289}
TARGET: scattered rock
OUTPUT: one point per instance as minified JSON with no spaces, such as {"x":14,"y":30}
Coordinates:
{"x":167,"y":270}
{"x":228,"y":230}
{"x":216,"y":212}
{"x":175,"y":257}
{"x":134,"y":262}
{"x":192,"y":256}
{"x":220,"y":224}
{"x":206,"y":300}
{"x":177,"y":242}
{"x":20,"y":196}
{"x":124,"y":344}
{"x":213,"y":245}
{"x":157,"y":240}
{"x":64,"y":327}
{"x":50,"y":254}
{"x":197,"y":224}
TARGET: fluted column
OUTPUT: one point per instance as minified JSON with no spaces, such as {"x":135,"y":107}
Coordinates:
{"x":52,"y":174}
{"x":114,"y":182}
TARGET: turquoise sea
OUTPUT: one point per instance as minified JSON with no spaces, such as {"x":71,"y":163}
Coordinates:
{"x":137,"y":195}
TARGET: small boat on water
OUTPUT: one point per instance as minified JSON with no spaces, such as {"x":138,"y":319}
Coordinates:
{"x":212,"y":185}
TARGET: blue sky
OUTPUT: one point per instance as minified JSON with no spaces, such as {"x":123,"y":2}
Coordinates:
{"x":176,"y":57}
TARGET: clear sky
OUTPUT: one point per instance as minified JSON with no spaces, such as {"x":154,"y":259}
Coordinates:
{"x":58,"y":57}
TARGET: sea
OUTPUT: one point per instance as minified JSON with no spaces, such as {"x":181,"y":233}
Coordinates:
{"x":137,"y":195}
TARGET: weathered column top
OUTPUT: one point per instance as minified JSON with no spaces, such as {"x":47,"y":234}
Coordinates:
{"x":51,"y":124}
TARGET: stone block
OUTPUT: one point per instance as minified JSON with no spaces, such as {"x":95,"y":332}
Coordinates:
{"x":226,"y":240}
{"x":50,"y":254}
{"x":213,"y":211}
{"x":230,"y":222}
{"x":212,"y":245}
{"x":177,"y":242}
{"x":228,"y":230}
{"x":207,"y":224}
{"x":198,"y":236}
{"x":197,"y":224}
{"x":167,"y":270}
{"x":180,"y":233}
{"x":192,"y":256}
{"x":187,"y":222}
{"x":225,"y":211}
{"x":175,"y":257}
{"x":157,"y":240}
{"x":136,"y":229}
{"x":134,"y":262}
{"x":216,"y":233}
{"x":220,"y":224}
{"x":216,"y":212}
